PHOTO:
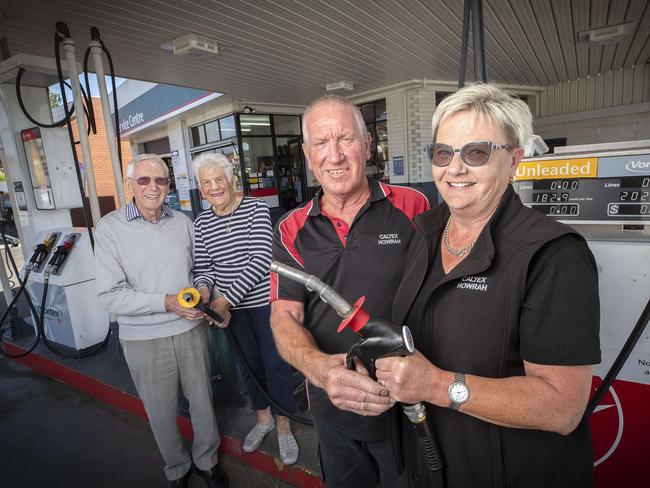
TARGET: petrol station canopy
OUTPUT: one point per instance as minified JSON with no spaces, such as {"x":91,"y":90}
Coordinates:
{"x":287,"y":51}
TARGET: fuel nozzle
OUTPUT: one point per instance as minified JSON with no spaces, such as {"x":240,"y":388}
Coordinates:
{"x":191,"y":298}
{"x":378,"y":338}
{"x":60,"y":254}
{"x":41,"y":250}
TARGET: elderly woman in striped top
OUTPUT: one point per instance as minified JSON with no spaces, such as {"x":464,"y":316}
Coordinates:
{"x":233,"y":256}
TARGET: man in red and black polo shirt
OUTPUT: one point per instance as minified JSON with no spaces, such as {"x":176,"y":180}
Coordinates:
{"x":354,"y":235}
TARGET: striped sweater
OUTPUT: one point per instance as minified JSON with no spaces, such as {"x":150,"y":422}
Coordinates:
{"x":237,"y":262}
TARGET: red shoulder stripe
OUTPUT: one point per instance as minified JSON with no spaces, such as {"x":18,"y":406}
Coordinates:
{"x":409,"y":200}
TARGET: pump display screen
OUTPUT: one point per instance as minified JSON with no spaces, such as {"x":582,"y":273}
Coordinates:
{"x":606,"y":189}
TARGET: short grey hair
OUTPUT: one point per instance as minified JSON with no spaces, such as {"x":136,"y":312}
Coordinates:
{"x":213,"y":160}
{"x":496,"y":105}
{"x":146,"y":157}
{"x":333,"y":100}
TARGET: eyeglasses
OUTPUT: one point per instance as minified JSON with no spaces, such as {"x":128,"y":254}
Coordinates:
{"x":473,"y":153}
{"x":159,"y":180}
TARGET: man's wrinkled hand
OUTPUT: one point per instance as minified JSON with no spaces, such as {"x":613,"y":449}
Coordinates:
{"x":353,"y":391}
{"x":172,"y":305}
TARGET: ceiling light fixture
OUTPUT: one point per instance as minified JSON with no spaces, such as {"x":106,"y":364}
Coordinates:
{"x":193,"y":45}
{"x":604,"y":35}
{"x":339,"y":86}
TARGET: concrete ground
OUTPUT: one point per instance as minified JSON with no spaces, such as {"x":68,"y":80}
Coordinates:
{"x":52,"y":435}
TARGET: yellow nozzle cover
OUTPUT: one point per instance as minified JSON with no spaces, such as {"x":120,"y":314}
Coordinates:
{"x":189,"y":297}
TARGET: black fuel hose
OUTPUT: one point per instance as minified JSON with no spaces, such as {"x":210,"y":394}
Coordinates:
{"x":234,"y":344}
{"x":618,"y":363}
{"x":19,"y":96}
{"x":22,"y":283}
{"x":94,"y":35}
{"x":62,"y":32}
{"x":3,"y":352}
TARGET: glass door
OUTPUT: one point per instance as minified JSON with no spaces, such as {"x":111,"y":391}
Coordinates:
{"x":291,"y":181}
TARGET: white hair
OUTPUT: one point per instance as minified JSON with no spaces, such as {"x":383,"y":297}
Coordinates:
{"x":496,"y":105}
{"x":334,"y":100}
{"x":145,"y":157}
{"x":213,"y":160}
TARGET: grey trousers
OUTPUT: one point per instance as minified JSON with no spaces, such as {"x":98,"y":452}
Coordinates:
{"x":157,"y":366}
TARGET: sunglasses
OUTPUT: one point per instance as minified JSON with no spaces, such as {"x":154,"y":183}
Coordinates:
{"x":472,"y":153}
{"x":159,"y":180}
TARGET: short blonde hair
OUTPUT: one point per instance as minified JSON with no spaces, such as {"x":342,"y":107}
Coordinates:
{"x":496,"y":105}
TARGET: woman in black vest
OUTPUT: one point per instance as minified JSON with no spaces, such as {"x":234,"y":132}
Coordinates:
{"x":503,"y":305}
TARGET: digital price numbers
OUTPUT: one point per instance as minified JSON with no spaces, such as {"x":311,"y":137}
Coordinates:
{"x":611,"y":199}
{"x":633,"y":202}
{"x":555,"y":202}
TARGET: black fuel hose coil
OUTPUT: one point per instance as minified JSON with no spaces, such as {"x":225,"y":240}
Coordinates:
{"x":23,"y":283}
{"x":190,"y":298}
{"x":3,"y":352}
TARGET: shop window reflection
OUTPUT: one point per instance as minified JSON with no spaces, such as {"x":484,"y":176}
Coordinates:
{"x":258,"y":165}
{"x":374,"y":115}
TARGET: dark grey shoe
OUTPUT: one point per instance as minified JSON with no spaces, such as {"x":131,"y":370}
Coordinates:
{"x":180,"y":482}
{"x":215,"y":477}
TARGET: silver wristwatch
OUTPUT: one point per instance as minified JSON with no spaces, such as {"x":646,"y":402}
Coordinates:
{"x":458,"y":391}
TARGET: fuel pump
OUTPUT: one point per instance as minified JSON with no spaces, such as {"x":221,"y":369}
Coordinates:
{"x":377,"y":338}
{"x":70,"y":321}
{"x":603,"y":191}
{"x":45,"y":181}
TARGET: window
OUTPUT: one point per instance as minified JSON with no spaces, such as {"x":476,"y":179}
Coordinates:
{"x":374,"y":115}
{"x":213,"y":131}
{"x":286,"y":124}
{"x":198,"y":135}
{"x":227,"y":125}
{"x":255,"y":125}
{"x":258,"y":164}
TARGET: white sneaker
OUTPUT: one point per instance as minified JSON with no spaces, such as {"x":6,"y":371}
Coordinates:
{"x":257,"y":434}
{"x":288,"y":448}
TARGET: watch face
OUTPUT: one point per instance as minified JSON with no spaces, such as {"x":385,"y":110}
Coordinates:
{"x":458,"y":393}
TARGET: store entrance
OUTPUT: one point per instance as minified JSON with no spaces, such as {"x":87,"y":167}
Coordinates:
{"x":291,"y":182}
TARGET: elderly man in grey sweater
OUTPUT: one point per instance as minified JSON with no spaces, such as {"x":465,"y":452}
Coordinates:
{"x":143,"y":256}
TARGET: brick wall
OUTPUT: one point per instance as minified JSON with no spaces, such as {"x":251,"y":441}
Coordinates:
{"x":420,"y":105}
{"x":100,"y":155}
